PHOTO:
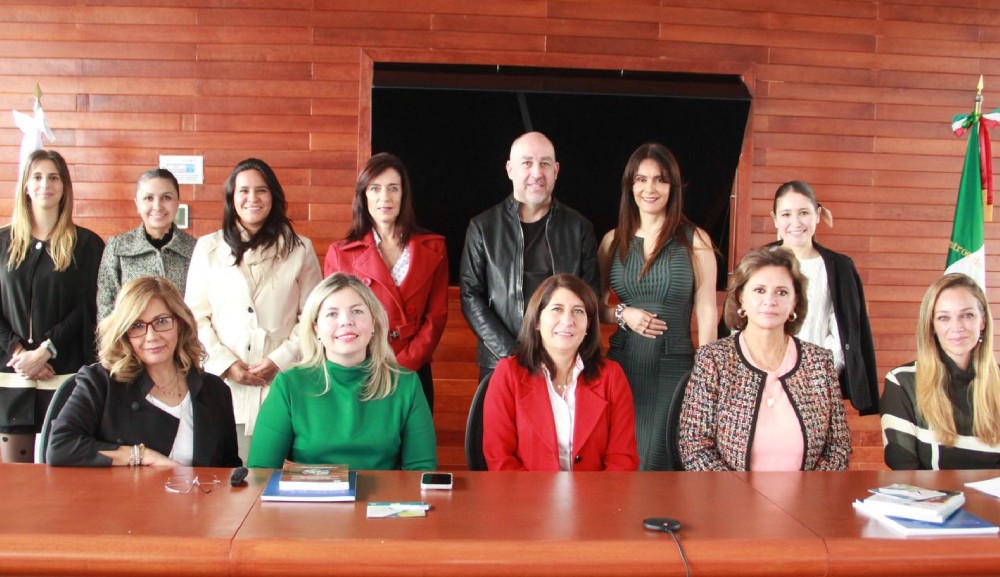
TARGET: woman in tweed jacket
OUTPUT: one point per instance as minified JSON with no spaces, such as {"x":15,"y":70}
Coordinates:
{"x":155,"y":248}
{"x":762,"y":399}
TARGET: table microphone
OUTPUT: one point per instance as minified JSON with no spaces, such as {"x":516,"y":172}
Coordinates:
{"x":665,"y":524}
{"x":672,"y":526}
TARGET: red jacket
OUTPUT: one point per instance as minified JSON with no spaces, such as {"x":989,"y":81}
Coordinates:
{"x":417,"y":309}
{"x":519,"y":432}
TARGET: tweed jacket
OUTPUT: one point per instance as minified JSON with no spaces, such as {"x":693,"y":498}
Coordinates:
{"x":723,"y":399}
{"x":129,"y":256}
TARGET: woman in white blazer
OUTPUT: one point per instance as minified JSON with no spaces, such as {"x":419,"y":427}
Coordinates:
{"x":246,"y":287}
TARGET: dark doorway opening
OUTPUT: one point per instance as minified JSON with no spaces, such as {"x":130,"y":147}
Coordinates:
{"x":453,"y":126}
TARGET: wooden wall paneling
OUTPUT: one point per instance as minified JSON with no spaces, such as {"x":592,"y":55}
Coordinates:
{"x":535,"y":8}
{"x":853,"y":97}
{"x":550,"y":27}
{"x":435,"y":40}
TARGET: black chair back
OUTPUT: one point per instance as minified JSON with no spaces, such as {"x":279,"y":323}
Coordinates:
{"x":474,"y":429}
{"x":55,"y":406}
{"x":674,"y":422}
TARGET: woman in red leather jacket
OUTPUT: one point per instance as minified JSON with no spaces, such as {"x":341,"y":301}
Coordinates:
{"x":405,"y":266}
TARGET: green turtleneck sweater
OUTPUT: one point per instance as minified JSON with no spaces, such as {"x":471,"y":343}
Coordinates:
{"x":298,"y":423}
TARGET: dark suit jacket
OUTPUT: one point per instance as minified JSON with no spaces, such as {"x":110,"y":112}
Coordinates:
{"x":417,"y":309}
{"x":519,"y":432}
{"x":859,"y":377}
{"x":103,"y":414}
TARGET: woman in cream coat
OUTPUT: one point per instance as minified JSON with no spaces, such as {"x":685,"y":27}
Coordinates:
{"x":247,"y":286}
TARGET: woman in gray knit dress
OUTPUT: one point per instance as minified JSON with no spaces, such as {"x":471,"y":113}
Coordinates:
{"x":660,"y":266}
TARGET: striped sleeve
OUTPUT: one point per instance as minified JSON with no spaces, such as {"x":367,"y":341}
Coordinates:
{"x":899,"y":421}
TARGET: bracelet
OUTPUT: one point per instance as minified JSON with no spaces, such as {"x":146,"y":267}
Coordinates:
{"x":137,"y":451}
{"x":619,"y":311}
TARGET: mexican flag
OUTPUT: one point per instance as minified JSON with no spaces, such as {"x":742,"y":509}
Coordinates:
{"x":966,"y":252}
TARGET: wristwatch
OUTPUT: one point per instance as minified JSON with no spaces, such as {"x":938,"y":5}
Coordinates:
{"x":619,"y":310}
{"x":51,"y":348}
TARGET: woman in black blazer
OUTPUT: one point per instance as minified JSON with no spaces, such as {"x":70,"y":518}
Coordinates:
{"x":148,"y":401}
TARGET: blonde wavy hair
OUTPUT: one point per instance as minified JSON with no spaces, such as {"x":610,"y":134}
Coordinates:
{"x":932,"y":374}
{"x":63,"y":238}
{"x":383,"y":370}
{"x":115,"y":351}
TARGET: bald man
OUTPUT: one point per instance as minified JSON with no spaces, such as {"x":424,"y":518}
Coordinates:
{"x":514,"y":246}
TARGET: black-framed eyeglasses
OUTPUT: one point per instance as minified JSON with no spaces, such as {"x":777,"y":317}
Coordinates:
{"x":184,"y":484}
{"x":159,"y":324}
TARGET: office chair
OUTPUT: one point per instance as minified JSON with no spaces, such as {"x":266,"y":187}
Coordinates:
{"x":474,"y":429}
{"x":674,"y":421}
{"x":55,"y":406}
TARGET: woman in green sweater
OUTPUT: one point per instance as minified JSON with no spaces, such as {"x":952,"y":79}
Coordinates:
{"x":349,"y":401}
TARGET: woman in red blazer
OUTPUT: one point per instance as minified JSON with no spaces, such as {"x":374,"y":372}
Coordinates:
{"x":405,"y":266}
{"x":557,"y":405}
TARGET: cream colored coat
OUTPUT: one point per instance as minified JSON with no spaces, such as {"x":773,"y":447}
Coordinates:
{"x":243,"y":319}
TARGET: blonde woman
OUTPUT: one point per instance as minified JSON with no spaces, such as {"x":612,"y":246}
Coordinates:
{"x":350,"y":401}
{"x":148,"y":401}
{"x":48,"y":300}
{"x":942,"y":411}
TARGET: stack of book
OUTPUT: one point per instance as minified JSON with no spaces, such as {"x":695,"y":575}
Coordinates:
{"x":916,"y":511}
{"x":315,"y":483}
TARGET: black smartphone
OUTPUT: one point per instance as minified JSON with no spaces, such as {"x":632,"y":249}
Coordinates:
{"x":436,"y":481}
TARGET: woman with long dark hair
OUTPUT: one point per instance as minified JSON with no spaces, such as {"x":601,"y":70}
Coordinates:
{"x":557,"y":405}
{"x":405,"y":266}
{"x":659,"y":265}
{"x":247,"y":286}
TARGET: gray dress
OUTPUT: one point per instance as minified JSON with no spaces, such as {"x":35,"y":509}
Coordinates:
{"x":654,"y":366}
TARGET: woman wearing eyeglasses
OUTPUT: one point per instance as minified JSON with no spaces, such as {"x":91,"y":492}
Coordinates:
{"x":148,"y":401}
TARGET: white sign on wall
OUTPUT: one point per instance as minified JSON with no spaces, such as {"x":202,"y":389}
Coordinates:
{"x":186,"y":169}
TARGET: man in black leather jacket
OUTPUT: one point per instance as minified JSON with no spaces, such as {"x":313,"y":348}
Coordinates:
{"x":512,"y":247}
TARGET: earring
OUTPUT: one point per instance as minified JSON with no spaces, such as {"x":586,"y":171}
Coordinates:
{"x":741,"y":312}
{"x":980,"y":336}
{"x":794,"y":317}
{"x":373,"y":332}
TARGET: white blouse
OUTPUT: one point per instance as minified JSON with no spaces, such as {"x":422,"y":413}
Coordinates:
{"x":820,"y":325}
{"x":183,"y":449}
{"x":564,"y":414}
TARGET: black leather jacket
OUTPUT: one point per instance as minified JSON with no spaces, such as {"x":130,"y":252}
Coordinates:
{"x":491,"y":274}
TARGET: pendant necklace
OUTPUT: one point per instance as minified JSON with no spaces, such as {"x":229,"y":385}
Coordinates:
{"x":769,"y":367}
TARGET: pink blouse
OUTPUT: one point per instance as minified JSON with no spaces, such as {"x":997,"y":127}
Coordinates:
{"x":777,"y":441}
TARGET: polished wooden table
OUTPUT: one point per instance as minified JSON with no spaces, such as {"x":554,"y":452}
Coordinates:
{"x":118,"y":521}
{"x":122,"y":522}
{"x":533,"y":524}
{"x":858,"y":545}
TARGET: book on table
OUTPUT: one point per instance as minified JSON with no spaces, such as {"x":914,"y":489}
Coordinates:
{"x":274,"y":492}
{"x":961,"y":522}
{"x":909,"y":502}
{"x":299,"y":477}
